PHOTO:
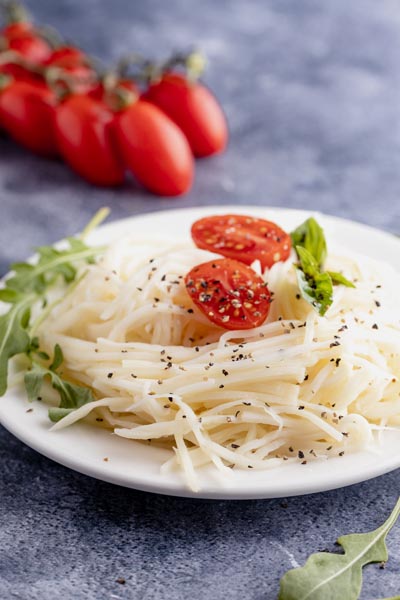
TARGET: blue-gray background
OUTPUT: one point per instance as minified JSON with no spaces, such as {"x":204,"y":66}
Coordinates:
{"x":312,"y":93}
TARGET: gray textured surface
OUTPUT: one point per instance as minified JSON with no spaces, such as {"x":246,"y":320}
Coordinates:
{"x":312,"y":93}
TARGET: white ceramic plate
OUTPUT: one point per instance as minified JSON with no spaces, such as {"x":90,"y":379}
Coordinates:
{"x":134,"y":465}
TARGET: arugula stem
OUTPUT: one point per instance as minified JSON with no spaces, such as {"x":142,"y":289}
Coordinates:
{"x":98,"y":218}
{"x":89,"y":253}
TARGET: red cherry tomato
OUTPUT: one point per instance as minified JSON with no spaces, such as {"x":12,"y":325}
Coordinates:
{"x":27,"y":114}
{"x":83,"y":128}
{"x":67,"y":56}
{"x":18,"y":72}
{"x":229,"y":293}
{"x":31,"y":47}
{"x":111,"y":97}
{"x":154,"y":149}
{"x":194,"y":108}
{"x":80,"y":77}
{"x":242,"y":238}
{"x":17,"y":29}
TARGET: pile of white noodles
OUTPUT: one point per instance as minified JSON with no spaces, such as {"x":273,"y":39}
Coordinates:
{"x":299,"y":387}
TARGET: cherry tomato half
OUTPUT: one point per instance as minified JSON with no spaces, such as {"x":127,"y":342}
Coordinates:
{"x":242,"y":238}
{"x":83,"y":129}
{"x":229,"y":293}
{"x":27,"y":114}
{"x":154,"y":149}
{"x":194,"y":108}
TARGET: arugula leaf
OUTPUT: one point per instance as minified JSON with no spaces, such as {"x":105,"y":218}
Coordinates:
{"x":58,"y":358}
{"x":339,"y":279}
{"x":72,"y":396}
{"x":9,"y":296}
{"x":310,"y":235}
{"x":28,"y":284}
{"x":51,"y":264}
{"x":56,"y":414}
{"x":14,"y":339}
{"x":315,"y":287}
{"x":336,"y":576}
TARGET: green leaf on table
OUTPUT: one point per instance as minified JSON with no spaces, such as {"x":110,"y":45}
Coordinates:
{"x":339,"y":279}
{"x":314,"y":285}
{"x":72,"y":396}
{"x":14,"y":339}
{"x":338,"y":576}
{"x":310,"y":235}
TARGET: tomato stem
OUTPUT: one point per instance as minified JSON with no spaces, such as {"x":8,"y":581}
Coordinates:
{"x":15,"y":12}
{"x":5,"y":81}
{"x":194,"y":64}
{"x":144,"y":69}
{"x":50,"y":35}
{"x":119,"y":98}
{"x":150,"y":72}
{"x":62,"y":83}
{"x":10,"y":57}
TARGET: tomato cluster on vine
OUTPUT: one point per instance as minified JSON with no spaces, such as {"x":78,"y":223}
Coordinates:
{"x":56,"y":102}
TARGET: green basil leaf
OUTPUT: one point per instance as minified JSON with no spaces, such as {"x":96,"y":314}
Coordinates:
{"x":317,"y":290}
{"x":339,"y":279}
{"x":316,"y":285}
{"x":326,"y":575}
{"x":307,"y":262}
{"x":310,"y":235}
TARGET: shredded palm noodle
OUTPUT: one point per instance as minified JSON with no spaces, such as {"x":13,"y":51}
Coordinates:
{"x":299,"y":387}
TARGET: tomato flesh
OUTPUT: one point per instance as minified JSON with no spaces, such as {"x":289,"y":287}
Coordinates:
{"x":242,"y":238}
{"x":229,"y":293}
